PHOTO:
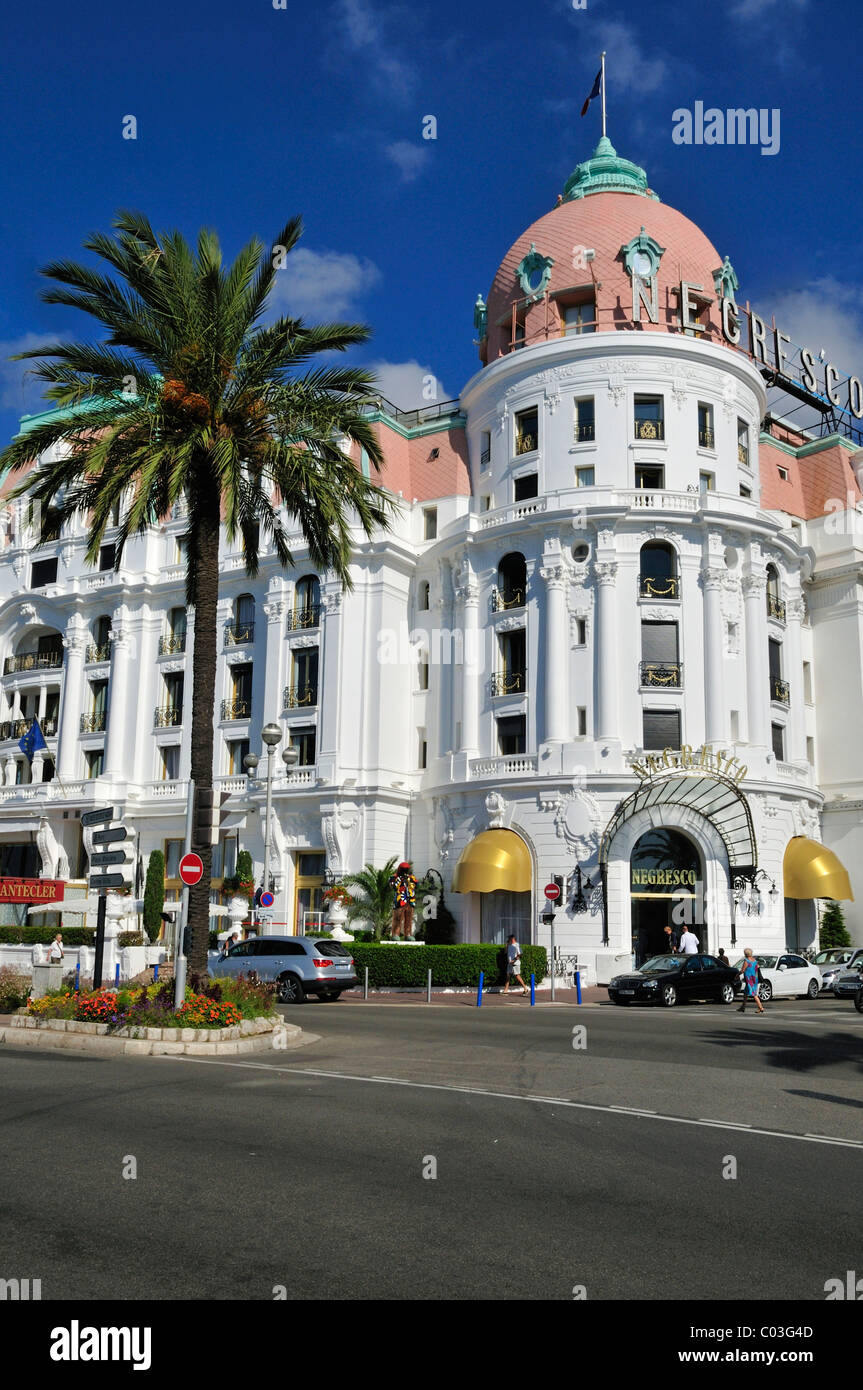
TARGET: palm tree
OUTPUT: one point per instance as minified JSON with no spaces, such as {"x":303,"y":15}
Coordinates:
{"x":373,"y":896}
{"x":192,"y":398}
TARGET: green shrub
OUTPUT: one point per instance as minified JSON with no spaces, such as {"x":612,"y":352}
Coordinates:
{"x":131,"y":938}
{"x":154,"y":894}
{"x":402,"y":966}
{"x":32,"y":936}
{"x":14,"y":989}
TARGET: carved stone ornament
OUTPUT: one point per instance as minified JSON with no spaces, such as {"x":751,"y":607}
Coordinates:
{"x":332,"y":601}
{"x":304,"y":640}
{"x":616,"y":389}
{"x":511,"y":623}
{"x":729,"y":399}
{"x":273,"y":610}
{"x":444,"y":833}
{"x":554,"y":575}
{"x":169,"y":668}
{"x":659,"y":615}
{"x":577,"y":822}
{"x":236,"y":658}
{"x":606,"y":573}
{"x":496,"y":809}
{"x":28,"y":612}
{"x":340,"y":829}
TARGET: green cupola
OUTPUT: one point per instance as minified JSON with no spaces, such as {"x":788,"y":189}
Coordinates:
{"x":606,"y":172}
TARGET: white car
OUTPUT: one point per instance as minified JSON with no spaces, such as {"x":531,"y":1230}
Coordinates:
{"x":787,"y":976}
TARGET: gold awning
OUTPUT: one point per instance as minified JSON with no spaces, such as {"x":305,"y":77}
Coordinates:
{"x":811,"y":870}
{"x":495,"y":859}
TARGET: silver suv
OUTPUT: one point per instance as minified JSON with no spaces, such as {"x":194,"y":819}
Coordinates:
{"x":299,"y":965}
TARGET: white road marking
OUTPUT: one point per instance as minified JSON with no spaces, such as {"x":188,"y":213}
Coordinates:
{"x":534,"y":1100}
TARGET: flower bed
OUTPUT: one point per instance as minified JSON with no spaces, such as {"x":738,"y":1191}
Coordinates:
{"x":209,"y":1004}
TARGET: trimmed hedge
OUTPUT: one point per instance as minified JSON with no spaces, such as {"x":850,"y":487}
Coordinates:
{"x":43,"y":936}
{"x":395,"y":966}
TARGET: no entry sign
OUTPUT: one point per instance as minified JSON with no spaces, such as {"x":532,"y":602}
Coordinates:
{"x":552,"y":892}
{"x":191,"y":868}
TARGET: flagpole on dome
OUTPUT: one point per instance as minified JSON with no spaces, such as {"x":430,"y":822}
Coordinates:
{"x":603,"y":92}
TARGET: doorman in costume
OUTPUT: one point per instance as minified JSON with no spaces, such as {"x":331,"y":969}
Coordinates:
{"x":404,"y":885}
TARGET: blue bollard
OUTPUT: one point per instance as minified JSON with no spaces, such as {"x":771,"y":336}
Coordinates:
{"x":578,"y":985}
{"x":117,"y":975}
{"x":479,"y":990}
{"x":155,"y":973}
{"x":532,"y":989}
{"x":78,"y":978}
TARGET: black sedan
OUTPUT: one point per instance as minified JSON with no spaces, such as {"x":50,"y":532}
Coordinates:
{"x":667,"y":979}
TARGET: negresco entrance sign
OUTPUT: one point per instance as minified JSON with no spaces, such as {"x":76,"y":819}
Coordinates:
{"x":687,"y":759}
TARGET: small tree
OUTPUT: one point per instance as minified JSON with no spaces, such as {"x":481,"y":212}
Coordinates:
{"x":832,"y":931}
{"x":154,"y":894}
{"x":373,"y":896}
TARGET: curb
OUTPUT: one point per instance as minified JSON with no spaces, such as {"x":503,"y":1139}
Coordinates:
{"x":21,"y":1031}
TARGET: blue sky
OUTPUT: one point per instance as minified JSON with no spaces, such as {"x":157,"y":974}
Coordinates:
{"x":247,"y":114}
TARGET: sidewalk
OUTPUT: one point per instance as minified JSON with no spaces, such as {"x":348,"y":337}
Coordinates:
{"x":466,"y":998}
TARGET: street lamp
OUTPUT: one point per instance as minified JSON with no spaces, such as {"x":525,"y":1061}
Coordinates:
{"x":272,"y":737}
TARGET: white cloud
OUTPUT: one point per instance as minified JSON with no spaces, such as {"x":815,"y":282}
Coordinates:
{"x":824,"y":313}
{"x":754,"y":9}
{"x":18,"y":390}
{"x":628,"y":68}
{"x":410,"y":160}
{"x":364,"y":35}
{"x":322,"y":284}
{"x":408,"y":385}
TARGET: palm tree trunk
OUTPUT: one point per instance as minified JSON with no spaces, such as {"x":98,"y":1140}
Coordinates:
{"x":204,"y":542}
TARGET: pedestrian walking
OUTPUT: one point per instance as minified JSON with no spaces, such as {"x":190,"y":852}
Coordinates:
{"x":689,"y":943}
{"x":722,"y":957}
{"x":513,"y":965}
{"x":55,"y":950}
{"x":670,"y":941}
{"x":751,"y":976}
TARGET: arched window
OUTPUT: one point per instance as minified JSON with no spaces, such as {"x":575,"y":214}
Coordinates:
{"x":511,"y":582}
{"x":658,"y":576}
{"x":775,"y":604}
{"x":307,"y":602}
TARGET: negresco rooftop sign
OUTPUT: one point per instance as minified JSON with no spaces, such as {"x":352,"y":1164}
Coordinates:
{"x":705,"y":759}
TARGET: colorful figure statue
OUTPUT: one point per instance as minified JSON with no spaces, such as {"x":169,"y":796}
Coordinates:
{"x":404,"y":885}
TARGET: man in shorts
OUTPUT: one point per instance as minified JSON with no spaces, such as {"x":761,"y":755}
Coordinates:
{"x":513,"y":965}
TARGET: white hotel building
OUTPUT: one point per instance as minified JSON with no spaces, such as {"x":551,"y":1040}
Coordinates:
{"x":613,"y":553}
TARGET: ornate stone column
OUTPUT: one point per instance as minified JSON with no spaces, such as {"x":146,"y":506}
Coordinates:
{"x":329,"y":684}
{"x":445,"y":738}
{"x":117,"y":753}
{"x":467,"y":593}
{"x":605,"y":651}
{"x":794,"y":613}
{"x":73,"y":699}
{"x":557,"y":730}
{"x":757,"y":671}
{"x":714,"y":667}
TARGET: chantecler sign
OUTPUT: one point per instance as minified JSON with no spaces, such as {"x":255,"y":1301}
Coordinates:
{"x":32,"y":890}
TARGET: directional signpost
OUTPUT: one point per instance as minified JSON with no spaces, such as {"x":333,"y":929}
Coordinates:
{"x":100,"y":881}
{"x":552,"y":894}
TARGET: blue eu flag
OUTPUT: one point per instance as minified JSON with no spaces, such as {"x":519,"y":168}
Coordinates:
{"x":33,"y":741}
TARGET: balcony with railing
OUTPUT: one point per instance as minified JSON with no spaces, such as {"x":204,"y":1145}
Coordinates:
{"x":32,"y":661}
{"x":300,"y":696}
{"x":236,"y":709}
{"x":239,"y":634}
{"x":17,"y":728}
{"x":301,"y":618}
{"x":508,"y":682}
{"x":780,"y":691}
{"x":649,"y":429}
{"x":508,"y":765}
{"x":502,"y":599}
{"x":706,"y":439}
{"x":93,"y":723}
{"x":172,"y":643}
{"x":168,"y":716}
{"x":485,"y":458}
{"x":775,"y":607}
{"x":585,"y":433}
{"x":96,"y":653}
{"x":664,"y":586}
{"x":664,"y":675}
{"x":743,"y":455}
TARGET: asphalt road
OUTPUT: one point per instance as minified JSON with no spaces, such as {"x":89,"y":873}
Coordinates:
{"x":304,"y":1168}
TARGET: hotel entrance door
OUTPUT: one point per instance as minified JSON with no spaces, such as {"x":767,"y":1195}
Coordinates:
{"x":666,"y":890}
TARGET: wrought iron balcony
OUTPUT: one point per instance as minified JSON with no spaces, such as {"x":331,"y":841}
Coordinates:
{"x":506,"y":598}
{"x":706,"y":439}
{"x":168,"y":716}
{"x":170,"y":643}
{"x":236,"y":709}
{"x":780,"y":691}
{"x":507,"y":682}
{"x":586,"y":433}
{"x":32,"y":661}
{"x":775,"y":607}
{"x":743,"y":454}
{"x":17,"y":728}
{"x":300,"y":696}
{"x":96,"y":653}
{"x":300,"y":618}
{"x":485,"y":458}
{"x":238,"y":634}
{"x":649,"y":429}
{"x":93,"y":723}
{"x":668,"y":675}
{"x":525,"y":444}
{"x":659,"y":586}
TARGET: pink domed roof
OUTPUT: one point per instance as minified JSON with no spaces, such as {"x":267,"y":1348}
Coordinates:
{"x":604,"y":221}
